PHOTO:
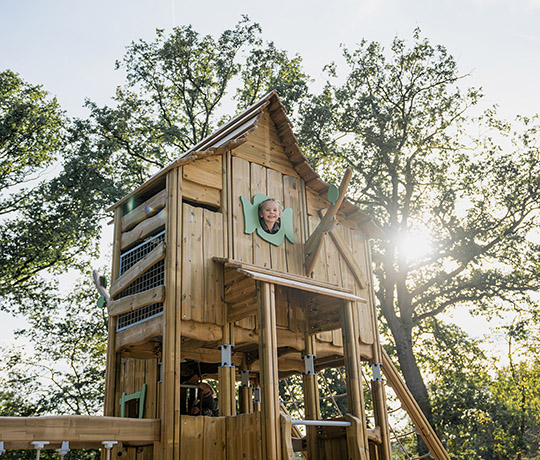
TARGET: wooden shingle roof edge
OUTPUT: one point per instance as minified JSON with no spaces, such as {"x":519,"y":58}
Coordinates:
{"x":234,"y":133}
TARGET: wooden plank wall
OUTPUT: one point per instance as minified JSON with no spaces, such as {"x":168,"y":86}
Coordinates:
{"x":332,"y":443}
{"x":202,"y":278}
{"x":248,"y":180}
{"x":202,"y":180}
{"x":331,"y":267}
{"x":221,"y":438}
{"x":261,"y":166}
{"x":133,"y":373}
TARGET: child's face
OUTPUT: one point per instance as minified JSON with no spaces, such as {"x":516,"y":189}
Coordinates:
{"x":270,"y":213}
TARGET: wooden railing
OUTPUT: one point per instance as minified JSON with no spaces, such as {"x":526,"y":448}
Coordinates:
{"x":82,"y":432}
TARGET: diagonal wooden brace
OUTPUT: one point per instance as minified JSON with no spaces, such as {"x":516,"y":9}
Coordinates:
{"x":312,"y":247}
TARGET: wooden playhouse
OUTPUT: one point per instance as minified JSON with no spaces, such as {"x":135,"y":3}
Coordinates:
{"x":197,"y":282}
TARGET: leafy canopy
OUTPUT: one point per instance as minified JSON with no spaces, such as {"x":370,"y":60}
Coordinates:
{"x":399,"y":119}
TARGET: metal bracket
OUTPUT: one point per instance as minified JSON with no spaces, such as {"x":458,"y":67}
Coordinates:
{"x":257,"y":395}
{"x":226,"y":355}
{"x":309,"y":363}
{"x":38,"y":445}
{"x":244,"y":374}
{"x":376,"y":368}
{"x":64,"y":449}
{"x":108,"y":445}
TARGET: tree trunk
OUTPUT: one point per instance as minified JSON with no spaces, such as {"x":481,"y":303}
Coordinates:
{"x":409,"y":367}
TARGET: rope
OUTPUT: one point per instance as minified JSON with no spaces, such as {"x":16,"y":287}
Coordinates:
{"x":331,"y":395}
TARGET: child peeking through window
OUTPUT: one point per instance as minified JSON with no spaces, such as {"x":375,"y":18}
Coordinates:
{"x":270,"y":215}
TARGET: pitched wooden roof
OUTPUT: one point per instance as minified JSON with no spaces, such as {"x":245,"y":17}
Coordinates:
{"x":235,"y":132}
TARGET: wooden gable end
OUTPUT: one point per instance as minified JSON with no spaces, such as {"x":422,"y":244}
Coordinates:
{"x":264,"y":147}
{"x":260,"y":165}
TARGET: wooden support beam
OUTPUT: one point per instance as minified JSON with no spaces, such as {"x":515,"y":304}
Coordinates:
{"x":144,"y":229}
{"x":145,"y":210}
{"x":136,"y":301}
{"x":269,"y":373}
{"x":313,"y":245}
{"x":287,"y":451}
{"x":111,"y":368}
{"x":378,"y":394}
{"x":143,"y":265}
{"x":170,"y":443}
{"x":413,"y":409}
{"x":77,"y":428}
{"x":356,"y":438}
{"x":209,"y":356}
{"x":311,"y":401}
{"x":355,"y":393}
{"x":232,"y":266}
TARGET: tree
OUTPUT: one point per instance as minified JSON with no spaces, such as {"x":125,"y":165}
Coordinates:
{"x":31,"y":132}
{"x":175,"y":88}
{"x":49,"y":222}
{"x":66,"y":372}
{"x":399,"y":121}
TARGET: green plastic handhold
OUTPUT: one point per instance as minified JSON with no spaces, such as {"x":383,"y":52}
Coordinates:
{"x":252,"y":224}
{"x":101,"y":302}
{"x":333,"y":194}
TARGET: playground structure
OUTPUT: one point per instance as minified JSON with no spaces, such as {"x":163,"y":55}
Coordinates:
{"x":195,"y":281}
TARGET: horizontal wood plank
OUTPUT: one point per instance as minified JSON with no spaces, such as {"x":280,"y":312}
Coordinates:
{"x":77,"y":428}
{"x":136,"y":301}
{"x":330,"y":292}
{"x":205,"y":171}
{"x":139,"y":333}
{"x":201,"y":193}
{"x":128,"y":277}
{"x":144,"y":229}
{"x":144,"y":210}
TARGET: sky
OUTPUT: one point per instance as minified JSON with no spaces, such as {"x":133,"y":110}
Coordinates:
{"x":70,"y":46}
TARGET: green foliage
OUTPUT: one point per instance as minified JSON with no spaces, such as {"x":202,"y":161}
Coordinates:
{"x":31,"y":132}
{"x":398,"y":119}
{"x":49,"y":223}
{"x":175,"y":88}
{"x":481,"y":411}
{"x":66,"y":370}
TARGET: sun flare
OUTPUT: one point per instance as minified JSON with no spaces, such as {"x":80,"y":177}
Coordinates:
{"x":415,"y":245}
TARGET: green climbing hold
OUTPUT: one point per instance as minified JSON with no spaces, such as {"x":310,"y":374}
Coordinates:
{"x":333,"y":194}
{"x":101,"y":302}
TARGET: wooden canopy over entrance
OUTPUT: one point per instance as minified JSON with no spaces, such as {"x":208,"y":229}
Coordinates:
{"x":322,"y":300}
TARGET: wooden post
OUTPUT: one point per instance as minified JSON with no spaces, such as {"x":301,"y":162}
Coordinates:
{"x":227,"y":379}
{"x":311,"y":401}
{"x":170,"y":387}
{"x":269,"y":371}
{"x":355,"y":436}
{"x":413,"y":409}
{"x":245,"y":394}
{"x":381,"y":418}
{"x":287,"y":452}
{"x":355,"y":394}
{"x":111,"y":374}
{"x":377,"y":387}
